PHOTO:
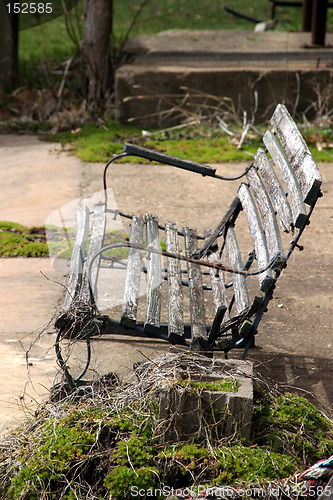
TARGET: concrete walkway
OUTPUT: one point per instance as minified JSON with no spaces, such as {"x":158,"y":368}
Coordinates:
{"x":35,"y":179}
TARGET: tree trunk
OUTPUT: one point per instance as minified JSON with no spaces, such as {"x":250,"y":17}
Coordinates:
{"x":8,"y":48}
{"x":96,"y":47}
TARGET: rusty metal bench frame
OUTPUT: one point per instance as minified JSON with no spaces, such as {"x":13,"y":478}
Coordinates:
{"x":280,"y":192}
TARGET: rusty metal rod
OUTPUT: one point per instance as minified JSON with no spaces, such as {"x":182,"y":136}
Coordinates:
{"x":218,"y":267}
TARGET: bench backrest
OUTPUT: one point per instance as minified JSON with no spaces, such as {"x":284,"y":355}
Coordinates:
{"x":282,"y":188}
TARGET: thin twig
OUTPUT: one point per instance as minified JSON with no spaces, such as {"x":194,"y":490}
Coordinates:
{"x":133,"y":23}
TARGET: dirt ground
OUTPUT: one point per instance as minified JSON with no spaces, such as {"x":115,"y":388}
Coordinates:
{"x":294,"y":345}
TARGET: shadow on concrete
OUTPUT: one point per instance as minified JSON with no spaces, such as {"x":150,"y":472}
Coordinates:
{"x":305,"y":375}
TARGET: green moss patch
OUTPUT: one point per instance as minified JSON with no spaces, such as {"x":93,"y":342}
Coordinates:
{"x":21,"y":241}
{"x":232,"y":464}
{"x":108,"y":443}
{"x":203,"y":144}
{"x":17,"y":240}
{"x":290,"y":424}
{"x":224,"y":384}
{"x":205,"y":150}
{"x":95,"y":144}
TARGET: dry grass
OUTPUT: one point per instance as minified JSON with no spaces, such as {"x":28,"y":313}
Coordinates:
{"x":105,"y":437}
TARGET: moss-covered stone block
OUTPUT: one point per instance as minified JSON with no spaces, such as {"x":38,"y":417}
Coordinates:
{"x":213,"y":399}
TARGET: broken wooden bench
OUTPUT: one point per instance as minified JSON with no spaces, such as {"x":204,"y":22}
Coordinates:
{"x":276,"y":199}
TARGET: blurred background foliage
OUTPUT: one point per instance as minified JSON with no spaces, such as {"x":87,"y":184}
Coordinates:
{"x":45,"y":52}
{"x":58,"y":38}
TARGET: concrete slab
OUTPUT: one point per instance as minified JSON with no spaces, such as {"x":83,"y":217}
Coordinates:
{"x":231,"y":45}
{"x":32,"y":186}
{"x":36,"y":178}
{"x":189,"y":413}
{"x":180,"y":74}
{"x":28,"y":301}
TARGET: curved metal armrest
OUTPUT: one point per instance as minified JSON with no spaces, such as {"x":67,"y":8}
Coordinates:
{"x":151,"y":155}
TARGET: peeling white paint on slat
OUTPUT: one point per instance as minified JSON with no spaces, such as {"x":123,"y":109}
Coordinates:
{"x":257,"y":235}
{"x":294,"y":193}
{"x":217,"y":281}
{"x":175,"y":292}
{"x":154,"y":274}
{"x":239,"y":282}
{"x":133,"y":274}
{"x":298,"y":154}
{"x":267,"y":212}
{"x":275,"y":190}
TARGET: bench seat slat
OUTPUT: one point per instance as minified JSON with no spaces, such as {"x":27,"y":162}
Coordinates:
{"x":197,"y":306}
{"x":96,"y":243}
{"x":294,"y":193}
{"x":217,"y":280}
{"x":154,"y":274}
{"x":239,"y":281}
{"x":175,"y":292}
{"x":257,"y":235}
{"x":268,"y":218}
{"x":133,"y":274}
{"x":298,"y":154}
{"x":77,"y":258}
{"x":231,"y":214}
{"x":275,"y":190}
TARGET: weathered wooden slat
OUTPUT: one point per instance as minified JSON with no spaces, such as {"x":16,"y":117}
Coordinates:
{"x":197,"y":306}
{"x":133,"y":274}
{"x":275,"y":190}
{"x":175,"y":292}
{"x":217,"y":280}
{"x":96,"y":243}
{"x":298,"y":154}
{"x":77,"y":258}
{"x":231,"y":214}
{"x":268,"y":217}
{"x":154,"y":274}
{"x":239,"y":281}
{"x":294,"y":193}
{"x":257,"y":235}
